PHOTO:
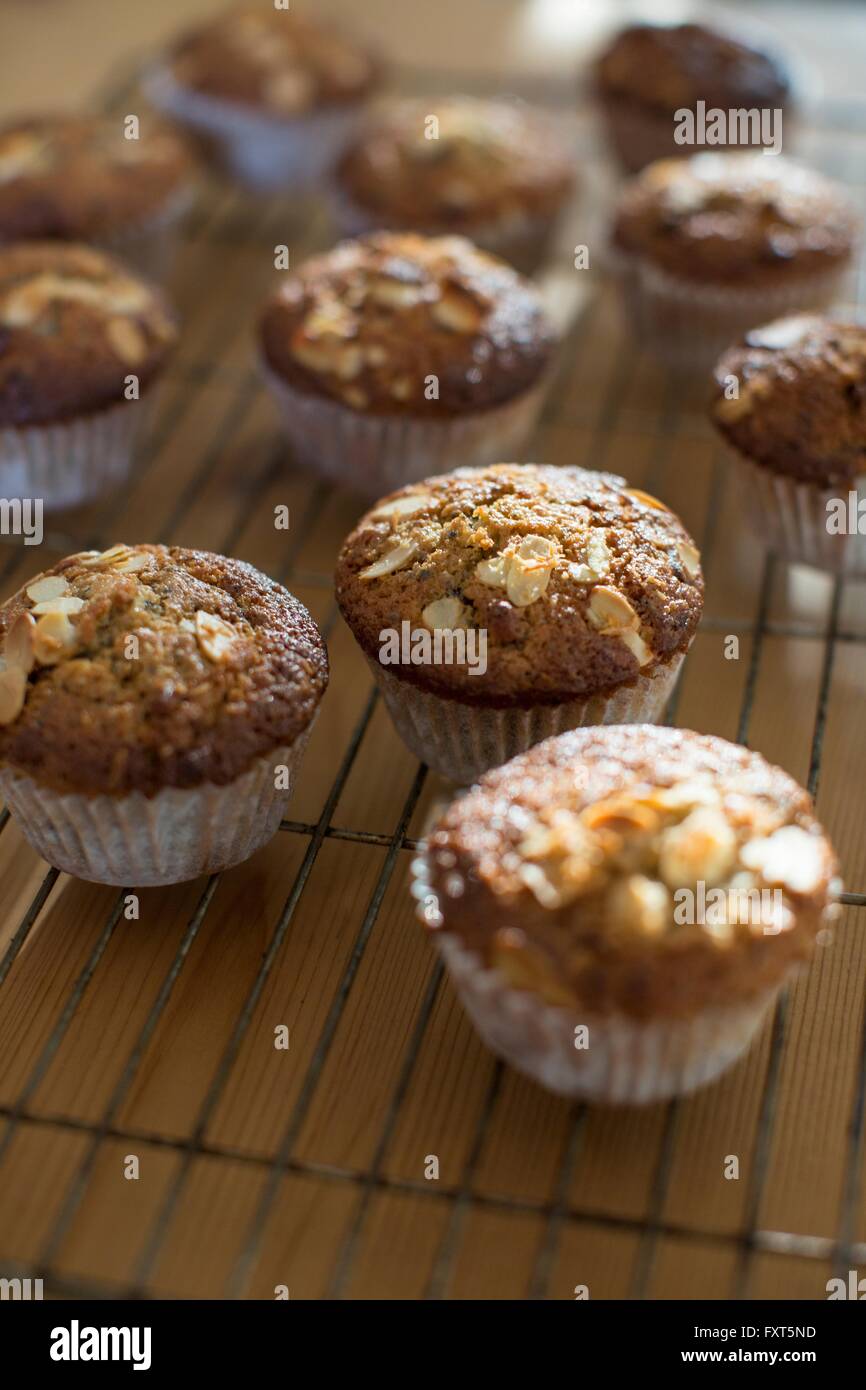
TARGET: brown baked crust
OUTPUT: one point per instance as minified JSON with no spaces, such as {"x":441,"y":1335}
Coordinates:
{"x":74,"y":325}
{"x":560,"y":869}
{"x":667,"y":67}
{"x":598,"y":582}
{"x":491,"y":163}
{"x":735,"y":219}
{"x":273,"y":60}
{"x":78,"y":178}
{"x":372,"y":321}
{"x":801,"y":403}
{"x":229,"y":667}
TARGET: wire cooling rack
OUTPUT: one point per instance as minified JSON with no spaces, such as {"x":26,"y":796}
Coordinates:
{"x":386,"y":1154}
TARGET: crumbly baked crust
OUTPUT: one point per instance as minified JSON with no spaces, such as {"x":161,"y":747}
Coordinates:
{"x":800,"y":408}
{"x":74,"y":325}
{"x":735,"y":219}
{"x":491,"y":163}
{"x":666,"y":67}
{"x":226,"y":666}
{"x":79,"y":178}
{"x":274,"y":60}
{"x":561,"y":869}
{"x":374,"y":321}
{"x":579,"y":581}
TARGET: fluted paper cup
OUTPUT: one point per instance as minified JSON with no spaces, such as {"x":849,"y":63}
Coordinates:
{"x":75,"y":461}
{"x":262,"y":151}
{"x":375,"y":454}
{"x":625,"y":1061}
{"x":461,"y":741}
{"x":791,"y":517}
{"x":139,"y":841}
{"x":689,"y":325}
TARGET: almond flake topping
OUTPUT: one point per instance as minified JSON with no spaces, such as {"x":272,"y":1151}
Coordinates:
{"x":690,"y":557}
{"x":13,"y":687}
{"x":400,"y":507}
{"x":445,"y":613}
{"x":216,"y":638}
{"x":393,"y":559}
{"x":790,"y":857}
{"x":53,"y":639}
{"x":64,"y":603}
{"x":52,"y":586}
{"x":18,"y":648}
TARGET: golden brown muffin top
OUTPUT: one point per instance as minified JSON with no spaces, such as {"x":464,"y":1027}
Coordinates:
{"x":146,"y":666}
{"x":579,"y":581}
{"x":670,"y":66}
{"x":79,"y":178}
{"x":455,"y":164}
{"x":74,"y":325}
{"x":376,"y":321}
{"x":634,"y":869}
{"x":800,"y":407}
{"x":264,"y":57}
{"x":737,"y":219}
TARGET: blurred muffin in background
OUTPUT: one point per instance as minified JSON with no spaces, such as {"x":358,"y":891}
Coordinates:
{"x":494,"y":171}
{"x":651,"y":71}
{"x":155,"y":705}
{"x":396,"y":356}
{"x":274,"y":96}
{"x":99,"y":180}
{"x":708,"y":247}
{"x":790,"y":403}
{"x":83,"y":344}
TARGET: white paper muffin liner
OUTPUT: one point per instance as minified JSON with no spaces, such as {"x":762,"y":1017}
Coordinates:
{"x":523,"y":241}
{"x":791,"y":517}
{"x":688,"y":325}
{"x":151,"y":247}
{"x":76,"y":461}
{"x":375,"y":454}
{"x":626,"y":1062}
{"x":262,"y":151}
{"x":137,"y":841}
{"x":462,"y":741}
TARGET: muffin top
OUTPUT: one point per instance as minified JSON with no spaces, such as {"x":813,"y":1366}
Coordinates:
{"x":397,"y":323}
{"x":74,"y":325}
{"x":801,"y":402}
{"x":80,"y":178}
{"x":735,"y":218}
{"x":146,"y":666}
{"x":633,"y":869}
{"x":456,"y":164}
{"x":578,"y":581}
{"x":668,"y":67}
{"x":265,"y":57}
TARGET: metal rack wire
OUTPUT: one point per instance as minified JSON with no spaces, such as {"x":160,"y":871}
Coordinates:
{"x":224,"y":220}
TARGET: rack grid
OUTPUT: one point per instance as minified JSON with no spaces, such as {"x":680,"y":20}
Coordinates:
{"x":154,"y":1037}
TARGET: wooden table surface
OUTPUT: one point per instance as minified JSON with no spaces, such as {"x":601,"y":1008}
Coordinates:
{"x":155,"y":1037}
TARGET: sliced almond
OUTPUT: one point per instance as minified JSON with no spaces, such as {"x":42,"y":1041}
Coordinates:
{"x":702,"y":847}
{"x":445,"y":613}
{"x":408,"y":505}
{"x":127,"y":340}
{"x":137,"y":561}
{"x":457,"y":311}
{"x":52,"y":586}
{"x":330,"y":319}
{"x":529,"y":570}
{"x":690,"y":558}
{"x":64,"y":603}
{"x":641,"y":903}
{"x":104,"y":559}
{"x":790,"y":857}
{"x":645,"y":498}
{"x":494,"y":572}
{"x":18,"y":648}
{"x":393,"y":559}
{"x":636,"y":645}
{"x":53,"y":639}
{"x":216,"y":638}
{"x":610,"y":611}
{"x":13,"y":687}
{"x":396,"y":294}
{"x":597,"y":554}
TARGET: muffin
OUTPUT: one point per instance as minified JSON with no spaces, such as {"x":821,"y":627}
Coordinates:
{"x":710,"y":246}
{"x":273,"y":96}
{"x":619,"y":907}
{"x":650,"y":72}
{"x":497,"y":606}
{"x":790,"y":403}
{"x":78,"y":178}
{"x":155,"y":704}
{"x":397,"y":355}
{"x":82,"y":346}
{"x":493,"y":171}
